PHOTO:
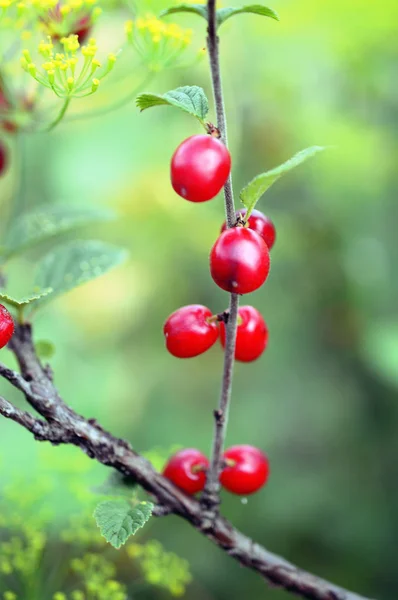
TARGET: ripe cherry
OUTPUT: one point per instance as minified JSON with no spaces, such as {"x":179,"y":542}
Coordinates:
{"x":239,"y":260}
{"x":58,"y":27}
{"x":247,"y":470}
{"x":200,"y":167}
{"x":3,"y":158}
{"x":187,"y":470}
{"x":260,"y":223}
{"x":6,"y":326}
{"x":251,"y":337}
{"x":83,"y":29}
{"x":188,"y":331}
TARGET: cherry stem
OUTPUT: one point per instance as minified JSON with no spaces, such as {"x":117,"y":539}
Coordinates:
{"x":198,"y":468}
{"x":211,"y":494}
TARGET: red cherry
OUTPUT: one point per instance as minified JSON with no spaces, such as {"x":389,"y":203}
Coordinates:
{"x":3,"y":158}
{"x":83,"y":29}
{"x":251,"y":337}
{"x":188,"y":331}
{"x":187,"y":470}
{"x":239,"y":261}
{"x":56,"y":25}
{"x":200,"y":167}
{"x":247,"y":470}
{"x":260,"y":224}
{"x":6,"y":326}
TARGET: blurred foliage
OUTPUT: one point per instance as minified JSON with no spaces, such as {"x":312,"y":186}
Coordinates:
{"x":49,"y":540}
{"x":322,"y":401}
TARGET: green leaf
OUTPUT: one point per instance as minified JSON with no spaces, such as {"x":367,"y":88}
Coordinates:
{"x":190,"y":99}
{"x":46,"y":222}
{"x":21,"y":302}
{"x":260,"y":184}
{"x":198,"y":9}
{"x":222,"y":13}
{"x":75,"y":263}
{"x":256,"y":9}
{"x":118,"y":520}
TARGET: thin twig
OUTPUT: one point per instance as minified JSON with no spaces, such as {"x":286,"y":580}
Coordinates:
{"x":40,"y":429}
{"x":14,"y":378}
{"x":211,"y":493}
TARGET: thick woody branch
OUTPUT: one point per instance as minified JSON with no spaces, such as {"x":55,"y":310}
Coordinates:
{"x":65,"y":426}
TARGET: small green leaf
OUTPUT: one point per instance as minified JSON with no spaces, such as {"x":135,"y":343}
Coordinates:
{"x":21,"y":302}
{"x":260,"y":184}
{"x":256,"y":9}
{"x":198,"y":9}
{"x":46,"y":222}
{"x":75,"y":263}
{"x":44,"y":349}
{"x":190,"y":99}
{"x":118,"y":520}
{"x":222,"y":13}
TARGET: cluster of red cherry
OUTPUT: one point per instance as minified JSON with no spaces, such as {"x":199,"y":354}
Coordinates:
{"x":244,"y":472}
{"x":239,"y":263}
{"x":239,"y":260}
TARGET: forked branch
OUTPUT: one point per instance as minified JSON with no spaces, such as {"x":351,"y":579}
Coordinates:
{"x":60,"y":424}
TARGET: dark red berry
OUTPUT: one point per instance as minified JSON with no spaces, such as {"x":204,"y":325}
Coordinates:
{"x":251,"y":337}
{"x":188,"y":331}
{"x":239,"y":260}
{"x":83,"y":29}
{"x":187,"y":470}
{"x":3,"y":158}
{"x":260,"y":224}
{"x":200,"y":167}
{"x":58,"y":27}
{"x":6,"y":326}
{"x":247,"y":470}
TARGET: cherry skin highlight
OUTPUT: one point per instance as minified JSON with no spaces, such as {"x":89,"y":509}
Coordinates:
{"x":251,"y":336}
{"x":248,"y":470}
{"x":260,"y":223}
{"x":239,"y":261}
{"x":199,"y":168}
{"x":6,"y":326}
{"x":188,"y":332}
{"x":187,"y":470}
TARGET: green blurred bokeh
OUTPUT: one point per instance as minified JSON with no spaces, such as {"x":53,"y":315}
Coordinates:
{"x":322,"y":400}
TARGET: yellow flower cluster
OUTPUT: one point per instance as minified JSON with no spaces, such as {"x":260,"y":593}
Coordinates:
{"x":73,"y":73}
{"x":50,"y":17}
{"x":161,"y":568}
{"x":158,"y":43}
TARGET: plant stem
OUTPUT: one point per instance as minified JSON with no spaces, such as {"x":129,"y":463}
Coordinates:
{"x":211,"y":495}
{"x":116,"y":105}
{"x":60,"y":116}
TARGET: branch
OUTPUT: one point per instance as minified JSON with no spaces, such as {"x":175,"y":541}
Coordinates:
{"x":211,"y":493}
{"x":65,"y":426}
{"x":41,"y":430}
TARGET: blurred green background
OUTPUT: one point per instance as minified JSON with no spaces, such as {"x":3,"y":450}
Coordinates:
{"x":322,"y":401}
